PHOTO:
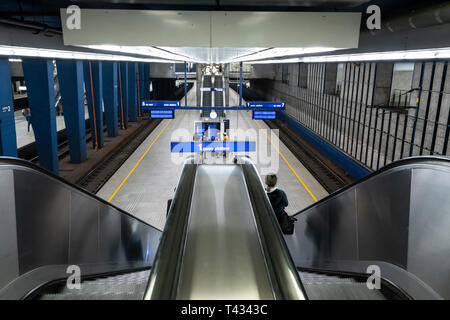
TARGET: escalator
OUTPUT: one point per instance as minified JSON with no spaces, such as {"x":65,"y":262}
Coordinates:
{"x":222,"y":239}
{"x":206,"y":95}
{"x":218,"y":96}
{"x":128,"y":286}
{"x":48,"y":225}
{"x":395,"y":221}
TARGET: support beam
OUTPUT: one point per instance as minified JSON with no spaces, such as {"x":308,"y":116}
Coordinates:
{"x":70,"y":76}
{"x":147,"y":81}
{"x":141,"y":86}
{"x":41,"y":99}
{"x":240,"y":84}
{"x":123,"y":94}
{"x":132,"y":92}
{"x":185,"y":83}
{"x":111,"y":98}
{"x":93,"y":82}
{"x":8,"y":143}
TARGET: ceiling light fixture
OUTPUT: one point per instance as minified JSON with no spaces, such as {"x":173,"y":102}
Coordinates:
{"x":13,"y":51}
{"x":145,"y":51}
{"x":425,"y":54}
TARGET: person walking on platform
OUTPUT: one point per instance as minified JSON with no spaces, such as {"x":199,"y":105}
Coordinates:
{"x":279,"y":201}
{"x":27,"y":114}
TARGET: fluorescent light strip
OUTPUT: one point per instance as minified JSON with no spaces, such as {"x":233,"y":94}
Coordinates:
{"x":281,"y":52}
{"x":426,"y":54}
{"x":143,"y":50}
{"x":62,"y":54}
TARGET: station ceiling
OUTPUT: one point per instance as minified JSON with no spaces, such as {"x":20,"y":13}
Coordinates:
{"x":46,"y":13}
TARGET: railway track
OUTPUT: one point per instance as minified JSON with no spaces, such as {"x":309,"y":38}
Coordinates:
{"x":321,"y":170}
{"x":97,"y":177}
{"x":94,"y":180}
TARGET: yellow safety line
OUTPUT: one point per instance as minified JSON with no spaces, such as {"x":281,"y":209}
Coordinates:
{"x":289,"y":165}
{"x":139,"y":161}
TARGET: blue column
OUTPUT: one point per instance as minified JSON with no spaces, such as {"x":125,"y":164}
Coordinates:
{"x":123,"y":98}
{"x":110,"y":97}
{"x":147,"y":81}
{"x":240,"y":84}
{"x":8,"y":144}
{"x":41,"y":99}
{"x":141,"y":86}
{"x":185,"y":83}
{"x":70,"y":76}
{"x":132,"y":96}
{"x":93,"y":82}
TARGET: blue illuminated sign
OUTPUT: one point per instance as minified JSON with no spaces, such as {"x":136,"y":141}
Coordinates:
{"x":275,"y":105}
{"x":264,"y":115}
{"x":213,"y":89}
{"x":215,"y":146}
{"x":162,"y":114}
{"x":160,"y":104}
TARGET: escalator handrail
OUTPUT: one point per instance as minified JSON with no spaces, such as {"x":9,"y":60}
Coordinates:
{"x":282,"y":271}
{"x":399,"y":163}
{"x":10,"y":161}
{"x":165,"y":274}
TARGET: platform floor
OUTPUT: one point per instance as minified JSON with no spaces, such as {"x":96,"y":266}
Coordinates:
{"x":149,"y":177}
{"x":25,"y":137}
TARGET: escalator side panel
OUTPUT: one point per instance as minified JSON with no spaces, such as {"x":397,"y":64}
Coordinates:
{"x":58,"y":225}
{"x":397,"y":219}
{"x":9,"y":259}
{"x":429,"y":225}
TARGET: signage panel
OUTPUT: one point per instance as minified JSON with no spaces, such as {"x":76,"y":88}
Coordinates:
{"x":215,"y":146}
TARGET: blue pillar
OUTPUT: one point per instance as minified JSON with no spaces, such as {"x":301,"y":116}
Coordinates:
{"x":41,"y":99}
{"x":132,"y":96}
{"x":240,"y":84}
{"x":185,"y":83}
{"x":147,"y":81}
{"x":141,"y":86}
{"x":123,"y":94}
{"x":70,"y":76}
{"x":8,"y":143}
{"x":110,"y":98}
{"x":93,"y":82}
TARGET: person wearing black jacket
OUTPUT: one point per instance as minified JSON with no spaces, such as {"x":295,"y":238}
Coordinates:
{"x":279,"y":201}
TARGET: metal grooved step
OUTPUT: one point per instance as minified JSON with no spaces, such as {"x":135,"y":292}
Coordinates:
{"x":327,"y":287}
{"x":130,"y":286}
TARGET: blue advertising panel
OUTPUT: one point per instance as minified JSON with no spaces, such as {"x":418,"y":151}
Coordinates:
{"x":207,"y":146}
{"x":162,"y":114}
{"x":264,"y":115}
{"x":160,"y":104}
{"x":212,"y":130}
{"x":274,"y":105}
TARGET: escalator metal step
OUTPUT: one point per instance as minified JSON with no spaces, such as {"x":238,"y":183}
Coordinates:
{"x":328,"y":287}
{"x":130,"y":286}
